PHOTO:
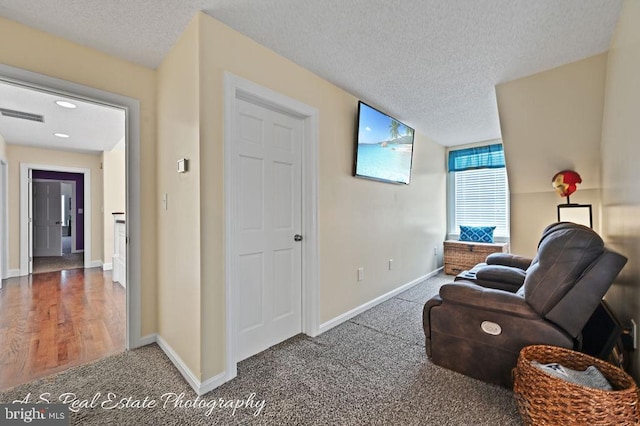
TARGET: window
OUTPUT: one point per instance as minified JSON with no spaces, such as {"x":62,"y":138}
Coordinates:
{"x":478,"y":190}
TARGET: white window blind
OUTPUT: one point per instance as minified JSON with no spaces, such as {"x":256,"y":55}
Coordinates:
{"x":481,"y":198}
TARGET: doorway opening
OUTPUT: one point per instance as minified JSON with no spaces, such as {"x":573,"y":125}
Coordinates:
{"x":58,"y":232}
{"x":41,"y":236}
{"x":20,"y":279}
{"x":133,"y":180}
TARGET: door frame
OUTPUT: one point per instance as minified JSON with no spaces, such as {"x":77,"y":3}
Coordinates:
{"x":4,"y":220}
{"x":26,"y":243}
{"x":131,"y":107}
{"x":237,"y":87}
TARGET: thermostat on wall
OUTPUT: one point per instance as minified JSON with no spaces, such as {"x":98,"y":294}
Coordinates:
{"x":183,"y":165}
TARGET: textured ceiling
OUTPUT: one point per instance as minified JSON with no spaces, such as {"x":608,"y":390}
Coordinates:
{"x":431,"y":63}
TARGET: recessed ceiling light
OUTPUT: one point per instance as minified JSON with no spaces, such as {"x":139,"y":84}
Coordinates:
{"x":61,"y":135}
{"x":66,"y":104}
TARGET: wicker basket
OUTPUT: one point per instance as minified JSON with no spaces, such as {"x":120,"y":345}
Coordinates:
{"x":547,"y":400}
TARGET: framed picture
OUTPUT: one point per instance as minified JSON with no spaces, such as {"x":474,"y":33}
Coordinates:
{"x":576,"y":213}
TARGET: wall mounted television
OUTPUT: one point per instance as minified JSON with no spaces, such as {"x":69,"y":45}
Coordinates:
{"x":384,"y":147}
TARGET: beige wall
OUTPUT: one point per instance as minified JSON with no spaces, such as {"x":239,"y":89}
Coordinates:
{"x":62,"y":59}
{"x":22,"y":154}
{"x":620,"y":171}
{"x":362,"y":223}
{"x":179,"y":276}
{"x":114,"y":196}
{"x":551,"y":121}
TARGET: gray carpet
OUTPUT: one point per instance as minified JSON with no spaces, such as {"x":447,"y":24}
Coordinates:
{"x":58,"y":263}
{"x":371,"y":370}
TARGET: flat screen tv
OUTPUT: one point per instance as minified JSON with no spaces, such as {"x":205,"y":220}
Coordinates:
{"x":384,"y":149}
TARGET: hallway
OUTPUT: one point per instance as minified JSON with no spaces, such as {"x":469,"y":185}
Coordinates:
{"x":52,"y":321}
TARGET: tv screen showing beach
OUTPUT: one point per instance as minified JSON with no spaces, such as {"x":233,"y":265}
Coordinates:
{"x":385,"y":147}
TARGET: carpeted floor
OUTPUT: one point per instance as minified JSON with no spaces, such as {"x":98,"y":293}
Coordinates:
{"x":58,"y":263}
{"x":371,"y":370}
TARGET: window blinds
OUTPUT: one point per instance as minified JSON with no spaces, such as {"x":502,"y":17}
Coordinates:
{"x":481,"y":198}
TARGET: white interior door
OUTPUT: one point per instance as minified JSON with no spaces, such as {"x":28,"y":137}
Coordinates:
{"x":268,"y":201}
{"x":47,"y":219}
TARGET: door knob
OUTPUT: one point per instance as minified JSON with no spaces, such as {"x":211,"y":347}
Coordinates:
{"x":297,"y":237}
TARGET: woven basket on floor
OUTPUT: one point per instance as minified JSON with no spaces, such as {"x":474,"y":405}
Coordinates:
{"x":547,"y":400}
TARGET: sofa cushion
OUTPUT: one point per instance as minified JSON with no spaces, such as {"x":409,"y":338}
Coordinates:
{"x":502,"y":274}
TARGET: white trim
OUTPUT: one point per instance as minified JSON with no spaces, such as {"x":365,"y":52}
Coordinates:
{"x":235,"y":87}
{"x":132,"y":134}
{"x":212,"y":383}
{"x":199,"y":387}
{"x":107,"y":266}
{"x":179,"y":363}
{"x":94,"y":263}
{"x":25,"y":213}
{"x":12,"y":273}
{"x":370,"y":304}
{"x":148,"y":339}
{"x":4,"y":220}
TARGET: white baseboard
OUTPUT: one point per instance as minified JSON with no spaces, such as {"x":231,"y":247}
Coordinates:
{"x":107,"y":266}
{"x":12,"y":273}
{"x":148,"y":339}
{"x":199,"y":387}
{"x":370,"y":304}
{"x":212,"y":383}
{"x":95,"y":264}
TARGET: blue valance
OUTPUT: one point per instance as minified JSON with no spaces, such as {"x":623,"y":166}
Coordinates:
{"x":481,"y":157}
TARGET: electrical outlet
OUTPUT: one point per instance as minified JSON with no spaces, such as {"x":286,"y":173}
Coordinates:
{"x":360,"y":274}
{"x":435,"y":250}
{"x":390,"y":264}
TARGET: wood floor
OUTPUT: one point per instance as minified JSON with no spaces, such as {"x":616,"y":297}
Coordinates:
{"x":52,"y":321}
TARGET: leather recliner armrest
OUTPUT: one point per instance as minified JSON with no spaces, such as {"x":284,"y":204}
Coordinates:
{"x":502,"y":274}
{"x":508,"y":259}
{"x":434,"y":301}
{"x":472,"y":295}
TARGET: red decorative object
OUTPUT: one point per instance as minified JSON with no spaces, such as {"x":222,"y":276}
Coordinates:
{"x":565,"y":182}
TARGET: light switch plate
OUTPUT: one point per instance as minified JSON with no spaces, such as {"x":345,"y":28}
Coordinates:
{"x":183,"y":165}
